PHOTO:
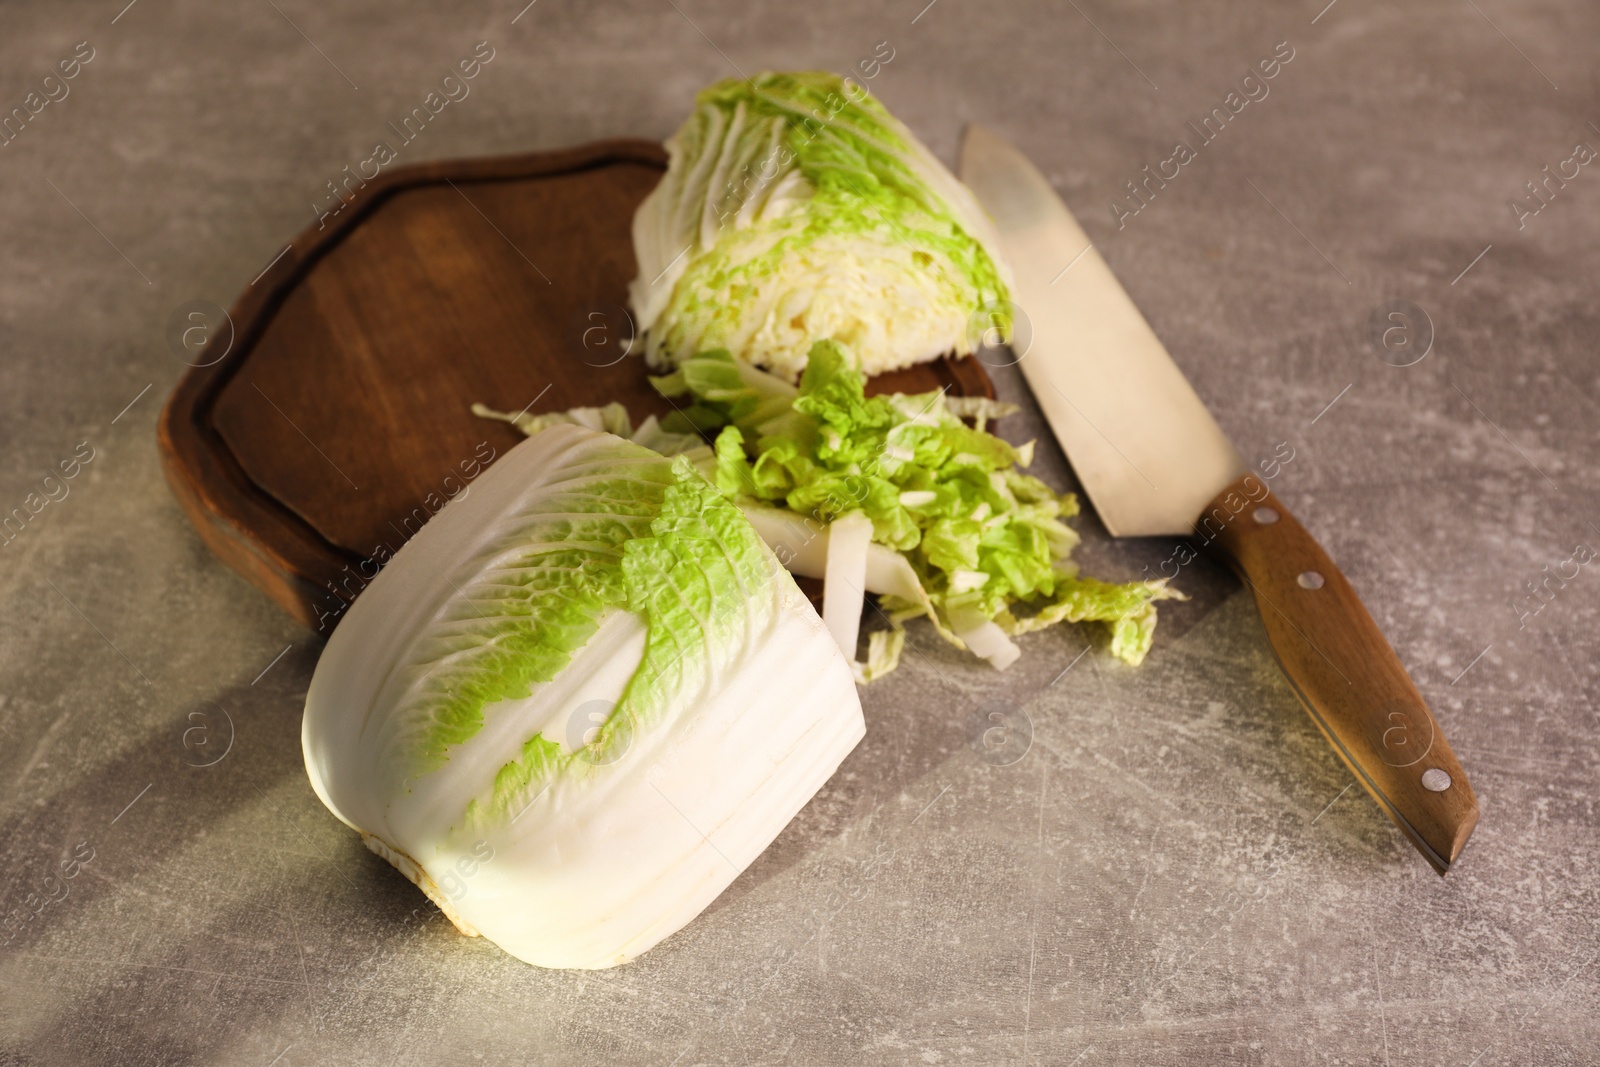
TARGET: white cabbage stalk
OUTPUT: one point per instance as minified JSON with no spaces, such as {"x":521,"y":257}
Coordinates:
{"x":845,"y":578}
{"x":985,"y":638}
{"x":579,"y":702}
{"x":796,"y":208}
{"x":802,"y":545}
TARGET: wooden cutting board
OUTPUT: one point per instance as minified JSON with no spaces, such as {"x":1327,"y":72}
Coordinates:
{"x":319,"y":433}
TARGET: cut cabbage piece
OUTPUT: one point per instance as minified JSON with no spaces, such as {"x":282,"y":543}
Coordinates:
{"x":984,"y":637}
{"x":579,"y":702}
{"x":844,"y":579}
{"x":612,"y":418}
{"x":883,"y":654}
{"x":802,"y":546}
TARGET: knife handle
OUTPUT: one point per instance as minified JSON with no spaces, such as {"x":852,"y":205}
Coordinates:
{"x":1343,"y":670}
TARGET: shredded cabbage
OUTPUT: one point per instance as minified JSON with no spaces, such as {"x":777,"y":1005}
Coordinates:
{"x":986,"y":543}
{"x":959,"y":534}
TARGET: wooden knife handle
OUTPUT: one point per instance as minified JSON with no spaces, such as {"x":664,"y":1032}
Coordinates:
{"x":1343,"y":669}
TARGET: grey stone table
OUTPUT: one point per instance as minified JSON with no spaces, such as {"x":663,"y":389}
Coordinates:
{"x":1178,"y":871}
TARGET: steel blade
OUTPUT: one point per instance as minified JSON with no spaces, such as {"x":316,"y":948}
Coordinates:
{"x":1148,"y":453}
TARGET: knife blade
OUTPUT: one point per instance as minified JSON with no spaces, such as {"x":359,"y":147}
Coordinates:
{"x":1153,"y":461}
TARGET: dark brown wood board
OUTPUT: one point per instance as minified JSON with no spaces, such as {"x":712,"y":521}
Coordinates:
{"x":333,"y":418}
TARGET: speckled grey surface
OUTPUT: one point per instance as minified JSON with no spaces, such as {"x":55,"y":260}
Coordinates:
{"x":1177,"y":872}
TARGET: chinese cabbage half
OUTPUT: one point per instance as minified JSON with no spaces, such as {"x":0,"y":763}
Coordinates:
{"x":795,"y":207}
{"x":579,"y":702}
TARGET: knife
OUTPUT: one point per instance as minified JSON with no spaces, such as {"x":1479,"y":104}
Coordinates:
{"x":1155,"y":463}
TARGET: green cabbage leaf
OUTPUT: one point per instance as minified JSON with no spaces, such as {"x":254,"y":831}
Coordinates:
{"x":702,"y":581}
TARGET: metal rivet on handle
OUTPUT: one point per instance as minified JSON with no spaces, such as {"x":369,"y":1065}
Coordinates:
{"x":1309,"y":580}
{"x":1265,"y":516}
{"x":1435,"y":780}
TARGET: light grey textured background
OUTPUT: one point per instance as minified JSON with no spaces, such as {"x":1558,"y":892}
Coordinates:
{"x":1177,"y":872}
